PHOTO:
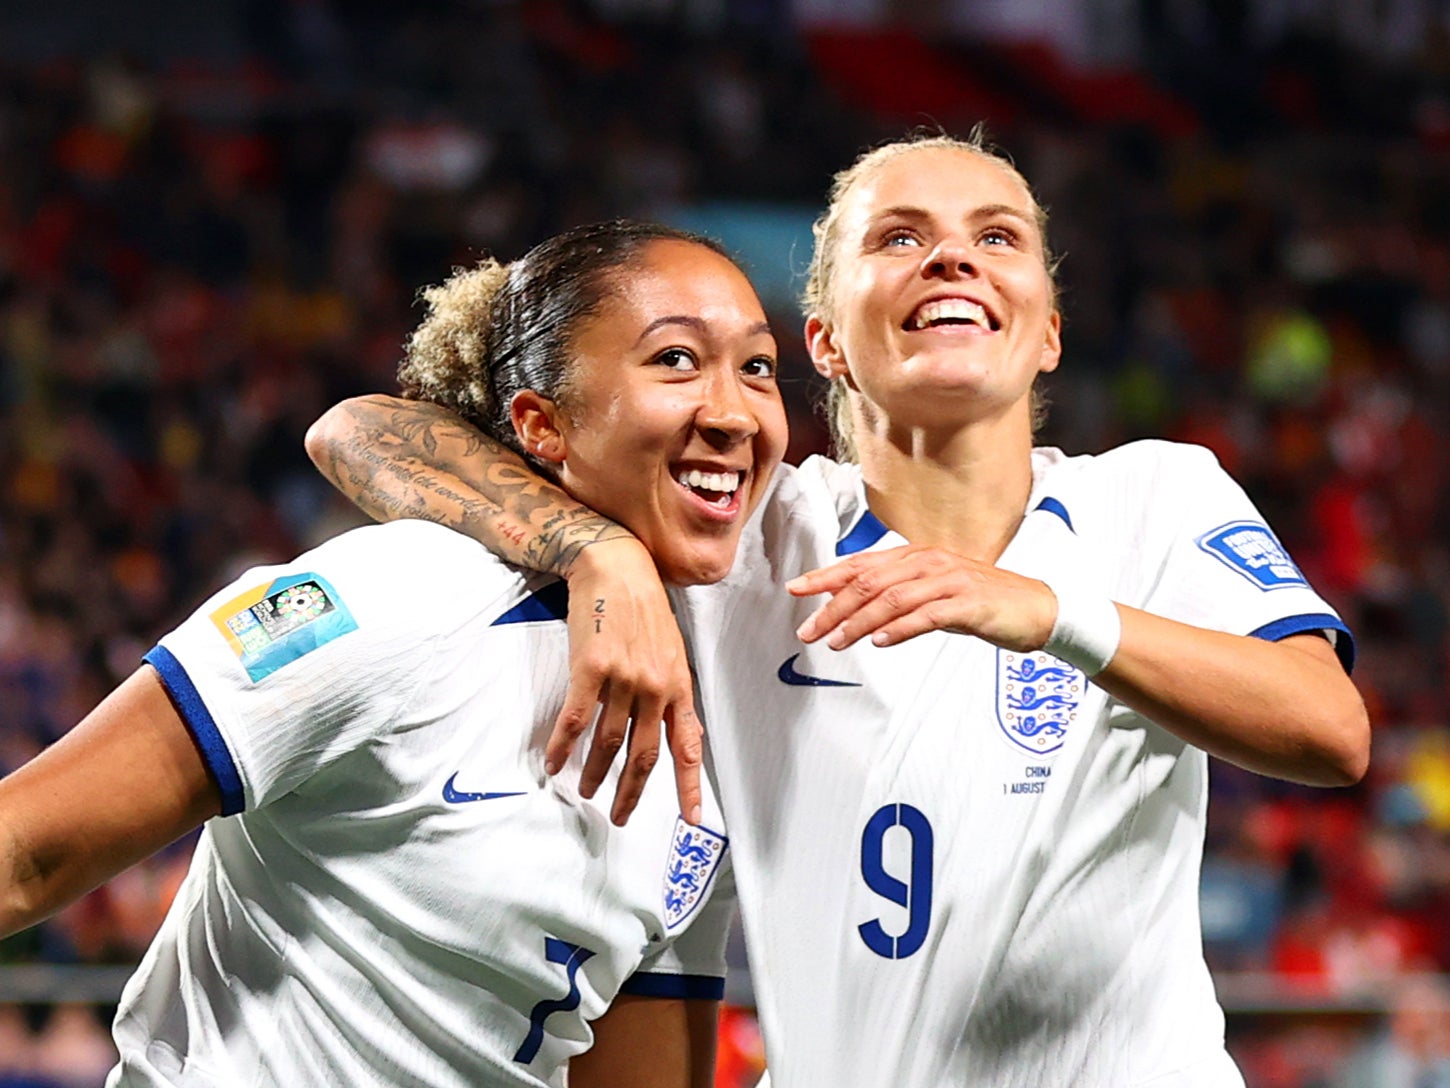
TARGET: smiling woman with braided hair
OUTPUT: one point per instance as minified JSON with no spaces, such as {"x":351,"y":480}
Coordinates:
{"x":388,"y":888}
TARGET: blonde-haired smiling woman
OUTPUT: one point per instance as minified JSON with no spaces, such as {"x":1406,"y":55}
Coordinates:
{"x":967,"y":794}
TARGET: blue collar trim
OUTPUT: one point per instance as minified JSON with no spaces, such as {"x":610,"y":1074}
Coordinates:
{"x":1053,"y":506}
{"x":867,"y":532}
{"x":549,"y":603}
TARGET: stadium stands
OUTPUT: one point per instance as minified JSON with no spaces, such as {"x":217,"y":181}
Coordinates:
{"x":199,"y":252}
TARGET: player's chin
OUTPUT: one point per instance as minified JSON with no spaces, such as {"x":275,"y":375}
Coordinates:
{"x":697,"y":559}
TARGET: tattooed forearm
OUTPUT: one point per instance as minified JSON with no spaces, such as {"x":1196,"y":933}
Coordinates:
{"x":558,"y":550}
{"x":397,"y":459}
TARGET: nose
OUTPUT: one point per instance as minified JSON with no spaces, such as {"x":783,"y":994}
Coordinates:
{"x":725,"y":416}
{"x":949,"y":258}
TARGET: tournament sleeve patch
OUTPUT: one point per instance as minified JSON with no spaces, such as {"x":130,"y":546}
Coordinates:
{"x":274,"y":624}
{"x":1249,"y":548}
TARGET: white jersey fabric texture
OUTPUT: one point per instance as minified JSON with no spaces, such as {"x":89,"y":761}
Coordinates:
{"x":396,"y":893}
{"x":961,"y":866}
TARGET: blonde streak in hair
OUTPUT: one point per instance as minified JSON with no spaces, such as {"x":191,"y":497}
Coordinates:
{"x":446,"y":357}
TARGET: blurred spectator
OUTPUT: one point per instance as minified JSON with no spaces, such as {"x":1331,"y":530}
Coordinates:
{"x":1413,"y":1050}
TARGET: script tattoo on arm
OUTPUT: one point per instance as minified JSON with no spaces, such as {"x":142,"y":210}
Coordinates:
{"x":414,"y":459}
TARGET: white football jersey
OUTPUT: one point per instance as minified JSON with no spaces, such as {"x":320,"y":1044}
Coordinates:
{"x":963,"y":866}
{"x":396,"y":893}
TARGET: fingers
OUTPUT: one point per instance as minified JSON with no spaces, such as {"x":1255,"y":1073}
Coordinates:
{"x":899,"y":594}
{"x":898,"y":611}
{"x":931,"y":616}
{"x":640,"y":759}
{"x":581,"y":704}
{"x":829,"y":579}
{"x":611,"y":730}
{"x":627,"y":670}
{"x":877,"y":589}
{"x":687,"y":746}
{"x":637,"y":726}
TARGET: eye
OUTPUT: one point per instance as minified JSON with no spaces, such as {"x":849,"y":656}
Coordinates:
{"x":1000,"y":236}
{"x":761,"y":366}
{"x":681,"y":359}
{"x":900,"y":236}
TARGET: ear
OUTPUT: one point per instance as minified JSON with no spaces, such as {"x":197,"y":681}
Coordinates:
{"x":829,"y":360}
{"x":536,"y":421}
{"x":1051,"y":344}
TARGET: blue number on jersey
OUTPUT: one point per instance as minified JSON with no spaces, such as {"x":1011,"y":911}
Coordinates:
{"x":571,"y":956}
{"x":915,"y":896}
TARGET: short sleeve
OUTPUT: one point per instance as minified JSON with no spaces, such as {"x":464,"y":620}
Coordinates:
{"x":1223,"y":566}
{"x":291,"y":666}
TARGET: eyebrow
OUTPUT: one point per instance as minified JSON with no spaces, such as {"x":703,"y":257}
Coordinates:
{"x":986,"y":211}
{"x":698,"y":324}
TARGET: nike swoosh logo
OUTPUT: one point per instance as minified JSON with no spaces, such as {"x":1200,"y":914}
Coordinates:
{"x":788,"y":674}
{"x":455,"y":796}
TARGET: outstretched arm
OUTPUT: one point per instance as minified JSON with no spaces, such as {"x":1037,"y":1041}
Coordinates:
{"x":1283,"y":708}
{"x":122,"y":784}
{"x":413,"y":459}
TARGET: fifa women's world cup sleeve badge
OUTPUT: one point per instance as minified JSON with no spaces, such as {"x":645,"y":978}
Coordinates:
{"x":1037,"y":699}
{"x":694,"y":858}
{"x":275,"y":624}
{"x":1248,"y":548}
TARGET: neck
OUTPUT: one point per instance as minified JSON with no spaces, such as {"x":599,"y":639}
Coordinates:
{"x":965,"y":490}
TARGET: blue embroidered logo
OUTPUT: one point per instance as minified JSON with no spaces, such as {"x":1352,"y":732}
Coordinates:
{"x":787,"y":674}
{"x":1250,"y":549}
{"x":455,"y":796}
{"x":695,"y":856}
{"x":1037,"y":699}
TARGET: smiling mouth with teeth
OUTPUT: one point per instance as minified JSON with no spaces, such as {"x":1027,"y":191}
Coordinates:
{"x":949,"y":311}
{"x":717,"y":488}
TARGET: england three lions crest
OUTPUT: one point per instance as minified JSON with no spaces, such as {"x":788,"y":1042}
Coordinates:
{"x":695,"y":856}
{"x":1037,"y":699}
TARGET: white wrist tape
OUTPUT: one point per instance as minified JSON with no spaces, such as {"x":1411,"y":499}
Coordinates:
{"x":1087,"y":630}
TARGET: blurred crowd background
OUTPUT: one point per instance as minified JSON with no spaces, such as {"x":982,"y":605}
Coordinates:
{"x":214,"y":220}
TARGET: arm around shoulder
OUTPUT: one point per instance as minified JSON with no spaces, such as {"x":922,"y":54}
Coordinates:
{"x":397,"y":458}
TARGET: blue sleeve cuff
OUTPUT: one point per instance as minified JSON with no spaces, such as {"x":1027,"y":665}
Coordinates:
{"x":198,"y":719}
{"x":682,"y":986}
{"x":1314,"y":622}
